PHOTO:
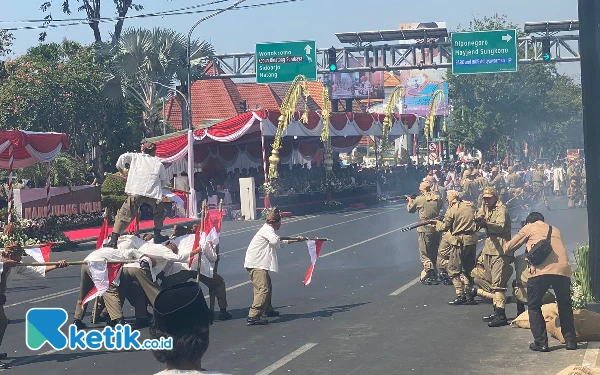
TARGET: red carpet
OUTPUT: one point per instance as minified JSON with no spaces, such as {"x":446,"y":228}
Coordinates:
{"x":92,"y":233}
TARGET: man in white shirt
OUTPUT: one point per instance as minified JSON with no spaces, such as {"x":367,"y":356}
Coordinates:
{"x":146,"y":178}
{"x":12,"y":255}
{"x":261,"y":257}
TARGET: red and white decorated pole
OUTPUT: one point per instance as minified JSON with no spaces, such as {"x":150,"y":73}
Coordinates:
{"x":264,"y":156}
{"x":10,"y":181}
{"x":48,"y":189}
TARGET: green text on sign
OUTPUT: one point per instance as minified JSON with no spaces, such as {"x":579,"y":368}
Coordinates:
{"x":282,"y":62}
{"x":484,"y":52}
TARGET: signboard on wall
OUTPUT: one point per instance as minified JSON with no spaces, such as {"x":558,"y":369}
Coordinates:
{"x":64,"y":201}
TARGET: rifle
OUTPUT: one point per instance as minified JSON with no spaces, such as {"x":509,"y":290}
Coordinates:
{"x":414,"y":196}
{"x":420,"y":223}
{"x":305,"y":239}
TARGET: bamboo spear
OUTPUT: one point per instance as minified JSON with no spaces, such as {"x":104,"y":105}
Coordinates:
{"x":202,"y":217}
{"x":211,"y":293}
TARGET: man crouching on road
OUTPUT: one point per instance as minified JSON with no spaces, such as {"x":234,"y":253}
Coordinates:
{"x":10,"y":257}
{"x":261,"y":257}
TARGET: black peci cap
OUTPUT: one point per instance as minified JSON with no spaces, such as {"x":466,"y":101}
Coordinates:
{"x":180,"y":307}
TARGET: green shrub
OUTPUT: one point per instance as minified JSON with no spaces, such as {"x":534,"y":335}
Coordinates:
{"x":113,"y":194}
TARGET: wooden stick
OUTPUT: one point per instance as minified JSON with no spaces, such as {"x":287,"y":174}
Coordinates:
{"x":307,"y":239}
{"x":202,"y":217}
{"x":75,"y":263}
{"x":211,"y":293}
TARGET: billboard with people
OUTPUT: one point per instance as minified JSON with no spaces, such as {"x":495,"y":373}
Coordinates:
{"x":355,"y":85}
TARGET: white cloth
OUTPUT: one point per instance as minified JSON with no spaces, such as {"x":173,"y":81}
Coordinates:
{"x":146,"y":177}
{"x":262,"y":251}
{"x":115,"y":255}
{"x":188,"y":372}
{"x":185,"y":244}
{"x":129,"y":242}
{"x":559,"y":178}
{"x":162,"y":255}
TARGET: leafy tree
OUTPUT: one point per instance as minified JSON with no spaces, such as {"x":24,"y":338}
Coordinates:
{"x":92,"y":10}
{"x":536,"y":105}
{"x":6,"y":41}
{"x":58,"y":87}
{"x":144,"y":61}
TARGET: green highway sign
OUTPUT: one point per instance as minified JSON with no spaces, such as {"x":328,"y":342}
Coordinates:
{"x":282,"y":62}
{"x":492,"y":51}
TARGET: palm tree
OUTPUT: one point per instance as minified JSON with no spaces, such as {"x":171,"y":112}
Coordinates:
{"x":140,"y":58}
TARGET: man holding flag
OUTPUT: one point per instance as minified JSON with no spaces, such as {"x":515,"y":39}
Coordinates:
{"x":261,"y":257}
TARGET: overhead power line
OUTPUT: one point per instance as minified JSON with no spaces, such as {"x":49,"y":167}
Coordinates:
{"x":148,"y":15}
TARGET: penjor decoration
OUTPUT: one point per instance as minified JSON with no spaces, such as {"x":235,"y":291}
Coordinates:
{"x":436,"y":99}
{"x":396,"y":96}
{"x":298,"y":89}
{"x":325,"y":133}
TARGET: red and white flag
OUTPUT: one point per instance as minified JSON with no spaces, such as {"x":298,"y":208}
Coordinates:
{"x":314,"y":250}
{"x":103,"y":274}
{"x":133,"y":227}
{"x":40,"y":254}
{"x":211,"y":232}
{"x":103,"y":235}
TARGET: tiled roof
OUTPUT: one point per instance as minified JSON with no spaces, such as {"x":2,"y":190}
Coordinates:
{"x":258,"y":96}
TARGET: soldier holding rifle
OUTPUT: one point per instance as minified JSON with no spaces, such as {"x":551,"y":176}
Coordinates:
{"x":429,"y":205}
{"x":459,"y":221}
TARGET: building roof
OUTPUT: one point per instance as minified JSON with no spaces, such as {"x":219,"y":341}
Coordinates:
{"x":220,"y":99}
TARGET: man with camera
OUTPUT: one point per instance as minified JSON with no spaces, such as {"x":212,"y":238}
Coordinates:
{"x":549,"y":267}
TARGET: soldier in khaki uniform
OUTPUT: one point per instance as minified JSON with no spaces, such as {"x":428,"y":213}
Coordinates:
{"x":469,"y":190}
{"x":575,"y":195}
{"x":493,"y":216}
{"x":443,"y":256}
{"x":513,"y":180}
{"x":429,"y":205}
{"x":497,"y":182}
{"x":481,"y":183}
{"x":459,"y":221}
{"x":520,"y":285}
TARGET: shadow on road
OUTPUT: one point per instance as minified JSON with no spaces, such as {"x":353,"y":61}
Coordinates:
{"x":63,"y":357}
{"x":325,"y":313}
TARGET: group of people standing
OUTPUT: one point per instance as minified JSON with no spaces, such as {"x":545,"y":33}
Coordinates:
{"x":448,"y":250}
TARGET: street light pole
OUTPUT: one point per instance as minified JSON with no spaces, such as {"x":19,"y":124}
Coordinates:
{"x":187,"y":103}
{"x":189,"y":57}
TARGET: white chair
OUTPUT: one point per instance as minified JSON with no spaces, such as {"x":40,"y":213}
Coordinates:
{"x":213,"y":202}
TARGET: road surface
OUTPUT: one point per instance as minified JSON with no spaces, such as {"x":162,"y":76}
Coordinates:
{"x":364,"y":312}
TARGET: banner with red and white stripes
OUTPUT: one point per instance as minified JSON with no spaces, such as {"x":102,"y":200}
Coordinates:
{"x":314,"y":250}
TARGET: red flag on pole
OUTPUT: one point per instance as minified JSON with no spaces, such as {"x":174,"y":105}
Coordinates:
{"x":103,"y":234}
{"x":212,"y":231}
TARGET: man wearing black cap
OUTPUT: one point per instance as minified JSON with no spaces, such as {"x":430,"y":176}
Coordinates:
{"x":181,"y":313}
{"x":261,"y":257}
{"x":145,"y":179}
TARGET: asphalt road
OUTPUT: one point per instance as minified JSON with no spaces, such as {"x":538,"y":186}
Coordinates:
{"x":363,"y":313}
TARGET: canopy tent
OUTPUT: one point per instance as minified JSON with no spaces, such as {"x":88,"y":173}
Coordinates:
{"x":241,"y":136}
{"x":20,"y":149}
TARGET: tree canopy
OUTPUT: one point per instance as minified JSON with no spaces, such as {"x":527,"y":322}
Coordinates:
{"x":535,"y":105}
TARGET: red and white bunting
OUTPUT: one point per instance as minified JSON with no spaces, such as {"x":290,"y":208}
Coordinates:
{"x":314,"y":250}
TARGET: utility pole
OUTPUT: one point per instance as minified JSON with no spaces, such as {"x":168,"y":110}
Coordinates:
{"x":589,"y":39}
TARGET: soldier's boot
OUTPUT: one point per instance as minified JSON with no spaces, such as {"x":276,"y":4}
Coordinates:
{"x":444,"y":278}
{"x":460,"y":299}
{"x":520,"y":308}
{"x":492,"y":316}
{"x":158,"y":237}
{"x":114,"y":237}
{"x":500,"y":319}
{"x":431,"y":278}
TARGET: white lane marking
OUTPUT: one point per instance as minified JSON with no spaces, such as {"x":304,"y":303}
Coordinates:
{"x":232,"y":251}
{"x":288,"y":358}
{"x":354,"y":213}
{"x":360,"y":243}
{"x":232,"y":232}
{"x":46,"y":297}
{"x":591,"y":354}
{"x":405,"y":287}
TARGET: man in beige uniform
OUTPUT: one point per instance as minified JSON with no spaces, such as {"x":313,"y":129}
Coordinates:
{"x":481,"y":183}
{"x":459,"y":221}
{"x":513,"y":180}
{"x":553,"y":271}
{"x":493,"y":216}
{"x":497,"y":182}
{"x":429,"y":205}
{"x":469,"y":190}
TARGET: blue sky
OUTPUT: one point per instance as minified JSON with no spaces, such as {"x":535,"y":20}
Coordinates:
{"x":318,"y":20}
